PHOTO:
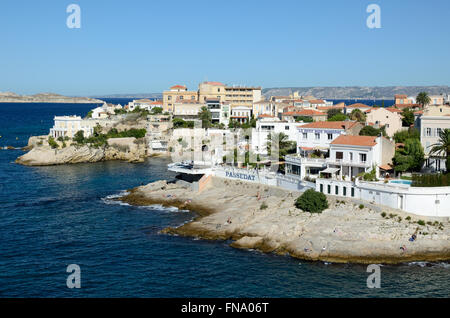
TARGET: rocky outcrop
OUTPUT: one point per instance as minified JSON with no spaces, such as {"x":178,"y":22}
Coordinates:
{"x":345,"y":232}
{"x":41,"y":154}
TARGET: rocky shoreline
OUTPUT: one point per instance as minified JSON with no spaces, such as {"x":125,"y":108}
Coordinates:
{"x":264,"y":218}
{"x":9,"y":97}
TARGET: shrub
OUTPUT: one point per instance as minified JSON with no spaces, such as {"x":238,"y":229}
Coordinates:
{"x":52,"y":143}
{"x":421,"y":222}
{"x":408,"y":218}
{"x":361,"y":206}
{"x":383,"y":214}
{"x":312,"y":201}
{"x":263,"y":206}
{"x":431,"y":180}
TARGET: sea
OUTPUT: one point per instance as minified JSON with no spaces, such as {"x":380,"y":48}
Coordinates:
{"x":52,"y":217}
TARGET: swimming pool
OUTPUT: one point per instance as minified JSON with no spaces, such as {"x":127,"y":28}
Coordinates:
{"x":407,"y":182}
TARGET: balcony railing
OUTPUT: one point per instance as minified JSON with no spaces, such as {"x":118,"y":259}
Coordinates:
{"x":347,"y":162}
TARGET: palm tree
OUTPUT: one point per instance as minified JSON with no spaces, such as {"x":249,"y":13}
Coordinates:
{"x":423,"y":99}
{"x":205,"y":116}
{"x":442,"y":147}
{"x":358,"y":115}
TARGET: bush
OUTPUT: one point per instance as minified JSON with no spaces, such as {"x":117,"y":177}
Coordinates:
{"x":312,"y":201}
{"x":431,"y":180}
{"x":383,"y":214}
{"x":263,"y":206}
{"x":52,"y":143}
{"x":361,"y":206}
{"x":421,"y":222}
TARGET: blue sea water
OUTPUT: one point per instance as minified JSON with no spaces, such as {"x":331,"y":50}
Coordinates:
{"x":51,"y":217}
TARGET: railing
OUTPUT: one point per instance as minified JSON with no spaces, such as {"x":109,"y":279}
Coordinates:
{"x":347,"y":162}
{"x":301,"y":160}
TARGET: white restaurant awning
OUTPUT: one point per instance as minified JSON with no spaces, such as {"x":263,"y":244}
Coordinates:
{"x":330,"y":170}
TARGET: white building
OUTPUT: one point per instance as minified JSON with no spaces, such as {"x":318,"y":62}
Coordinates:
{"x":267,"y":125}
{"x":146,"y":104}
{"x":68,"y":126}
{"x":99,"y":113}
{"x":430,"y":128}
{"x":352,"y":155}
{"x":220,"y":111}
{"x":319,"y":135}
{"x":241,"y":114}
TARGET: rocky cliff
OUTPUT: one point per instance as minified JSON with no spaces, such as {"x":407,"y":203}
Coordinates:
{"x":41,"y":154}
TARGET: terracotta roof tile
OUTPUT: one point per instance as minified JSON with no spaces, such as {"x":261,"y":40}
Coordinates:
{"x":367,"y":141}
{"x":331,"y":124}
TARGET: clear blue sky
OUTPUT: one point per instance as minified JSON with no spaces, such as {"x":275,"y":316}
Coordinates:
{"x":146,"y":46}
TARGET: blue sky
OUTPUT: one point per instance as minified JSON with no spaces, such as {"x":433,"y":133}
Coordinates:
{"x":146,"y":46}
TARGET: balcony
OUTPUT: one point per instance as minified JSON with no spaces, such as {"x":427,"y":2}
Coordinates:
{"x":344,"y":162}
{"x":305,"y":160}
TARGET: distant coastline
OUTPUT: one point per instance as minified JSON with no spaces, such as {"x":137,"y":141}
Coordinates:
{"x":9,"y":97}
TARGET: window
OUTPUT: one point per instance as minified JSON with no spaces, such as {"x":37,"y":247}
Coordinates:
{"x":181,"y":97}
{"x":305,"y":135}
{"x":336,"y":190}
{"x":438,"y":131}
{"x":330,"y":136}
{"x":353,"y":192}
{"x":339,"y":155}
{"x":321,"y":188}
{"x":351,"y":156}
{"x":169,"y":97}
{"x":317,"y":136}
{"x":428,"y":133}
{"x":192,"y":97}
{"x":286,"y":127}
{"x":329,"y":189}
{"x":344,"y":191}
{"x":362,"y":157}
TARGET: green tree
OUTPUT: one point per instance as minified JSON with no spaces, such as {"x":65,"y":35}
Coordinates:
{"x":79,"y":137}
{"x":338,"y":117}
{"x":411,"y":133}
{"x":407,"y":117}
{"x":370,"y":131}
{"x":442,"y":147}
{"x":205,"y":116}
{"x":281,"y":144}
{"x":333,"y":111}
{"x":409,"y":158}
{"x":157,"y":110}
{"x":358,"y":115}
{"x":423,"y":99}
{"x":312,"y":201}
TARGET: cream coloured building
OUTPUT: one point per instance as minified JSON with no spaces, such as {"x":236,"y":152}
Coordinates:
{"x":187,"y":108}
{"x":177,"y":93}
{"x":68,"y":126}
{"x":233,"y":95}
{"x":379,"y":116}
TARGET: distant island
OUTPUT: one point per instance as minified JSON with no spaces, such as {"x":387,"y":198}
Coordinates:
{"x":357,"y":92}
{"x":9,"y":97}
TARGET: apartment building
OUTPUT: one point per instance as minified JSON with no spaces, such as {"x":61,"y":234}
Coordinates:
{"x":264,"y":107}
{"x":379,"y":117}
{"x":352,"y":155}
{"x":177,"y":93}
{"x":233,"y":95}
{"x":220,"y":111}
{"x":187,"y":109}
{"x":267,"y":125}
{"x":430,"y":128}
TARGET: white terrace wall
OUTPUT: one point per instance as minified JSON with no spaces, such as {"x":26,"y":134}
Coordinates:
{"x":433,"y":201}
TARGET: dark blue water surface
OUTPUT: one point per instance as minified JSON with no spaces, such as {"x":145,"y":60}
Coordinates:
{"x":51,"y":217}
